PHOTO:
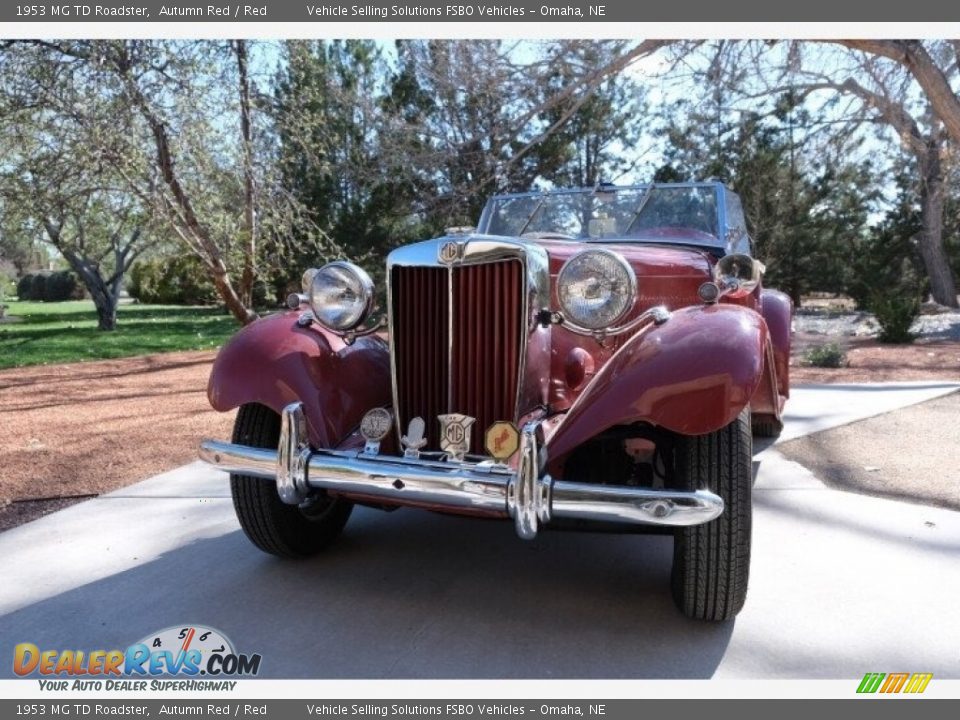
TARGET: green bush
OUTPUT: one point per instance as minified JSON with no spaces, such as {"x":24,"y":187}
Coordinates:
{"x":60,"y":286}
{"x":895,"y":312}
{"x":24,"y":286}
{"x":49,"y":287}
{"x":830,"y":355}
{"x":38,"y":288}
{"x":171,"y":281}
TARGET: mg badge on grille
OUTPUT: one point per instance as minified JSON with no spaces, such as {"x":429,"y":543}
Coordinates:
{"x":455,"y":434}
{"x":449,"y":251}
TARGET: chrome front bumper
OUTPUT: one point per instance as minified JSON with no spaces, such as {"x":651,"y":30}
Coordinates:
{"x":528,"y":495}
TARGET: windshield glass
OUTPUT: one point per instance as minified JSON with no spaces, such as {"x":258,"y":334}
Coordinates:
{"x":658,"y":213}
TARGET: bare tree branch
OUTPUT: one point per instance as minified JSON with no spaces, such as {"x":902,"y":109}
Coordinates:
{"x":913,"y":56}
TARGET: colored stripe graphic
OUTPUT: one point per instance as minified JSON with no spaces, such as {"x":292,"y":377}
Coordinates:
{"x":918,"y":682}
{"x":894,"y":683}
{"x":870,"y":682}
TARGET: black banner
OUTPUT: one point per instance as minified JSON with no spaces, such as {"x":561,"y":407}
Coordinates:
{"x":530,"y":11}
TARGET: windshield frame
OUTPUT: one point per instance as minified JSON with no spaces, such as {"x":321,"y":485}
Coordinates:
{"x":716,"y":243}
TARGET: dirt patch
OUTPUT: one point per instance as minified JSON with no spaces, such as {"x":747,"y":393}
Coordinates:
{"x":89,"y":428}
{"x":872,"y":361}
{"x":910,"y":454}
{"x":23,"y":511}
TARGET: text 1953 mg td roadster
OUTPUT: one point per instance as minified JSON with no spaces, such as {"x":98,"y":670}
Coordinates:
{"x":587,"y":359}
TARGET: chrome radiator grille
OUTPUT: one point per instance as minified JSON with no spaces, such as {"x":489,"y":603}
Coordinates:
{"x":457,"y":343}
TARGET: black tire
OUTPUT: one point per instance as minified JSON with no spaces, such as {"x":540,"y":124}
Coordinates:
{"x":711,"y":562}
{"x":272,"y":525}
{"x":767,"y":426}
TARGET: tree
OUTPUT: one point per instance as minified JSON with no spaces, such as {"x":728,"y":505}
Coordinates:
{"x":599,"y":140}
{"x":191,"y":143}
{"x":97,"y":230}
{"x":933,"y":64}
{"x":17,"y":244}
{"x":805,"y":205}
{"x":471,"y":118}
{"x":53,"y":186}
{"x":329,"y":113}
{"x":887,"y":260}
{"x":884,"y":94}
{"x":383,"y":151}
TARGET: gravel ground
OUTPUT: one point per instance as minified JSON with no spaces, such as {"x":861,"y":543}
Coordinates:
{"x":833,"y":324}
{"x":872,"y":361}
{"x":934,"y":355}
{"x":77,"y":430}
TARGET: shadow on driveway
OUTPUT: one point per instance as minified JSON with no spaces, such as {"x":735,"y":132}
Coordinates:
{"x":406,"y":595}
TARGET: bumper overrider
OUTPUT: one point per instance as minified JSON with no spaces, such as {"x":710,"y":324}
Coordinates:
{"x":528,"y":494}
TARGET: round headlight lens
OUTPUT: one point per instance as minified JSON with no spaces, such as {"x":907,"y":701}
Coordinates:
{"x":341,"y":295}
{"x":596,"y":288}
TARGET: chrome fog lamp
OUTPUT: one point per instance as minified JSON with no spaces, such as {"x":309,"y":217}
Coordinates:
{"x":737,"y":275}
{"x":341,"y":295}
{"x":596,"y":288}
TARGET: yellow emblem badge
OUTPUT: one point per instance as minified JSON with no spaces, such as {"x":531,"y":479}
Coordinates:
{"x":502,"y":439}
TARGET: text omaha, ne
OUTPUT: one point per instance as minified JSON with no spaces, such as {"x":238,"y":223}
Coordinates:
{"x":453,"y":10}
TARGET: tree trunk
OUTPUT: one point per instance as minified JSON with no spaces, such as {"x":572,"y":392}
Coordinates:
{"x":234,"y":304}
{"x":106,"y":304}
{"x":104,"y":297}
{"x":942,"y":285}
{"x":247,"y":277}
{"x":104,"y":300}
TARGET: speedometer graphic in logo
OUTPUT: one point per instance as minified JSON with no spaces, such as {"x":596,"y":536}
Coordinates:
{"x":199,"y":641}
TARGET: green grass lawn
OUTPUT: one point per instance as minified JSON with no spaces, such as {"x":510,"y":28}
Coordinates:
{"x":67,"y":332}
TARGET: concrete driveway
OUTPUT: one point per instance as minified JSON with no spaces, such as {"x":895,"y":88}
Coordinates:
{"x":841,"y":584}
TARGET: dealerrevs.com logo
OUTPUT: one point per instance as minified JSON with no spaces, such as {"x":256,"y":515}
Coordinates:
{"x":191,"y":650}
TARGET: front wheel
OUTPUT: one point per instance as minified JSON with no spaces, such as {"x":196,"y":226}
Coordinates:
{"x":269,"y":523}
{"x":711,"y":562}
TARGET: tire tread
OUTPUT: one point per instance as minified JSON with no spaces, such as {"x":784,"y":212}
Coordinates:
{"x":712,"y":561}
{"x":273,"y":526}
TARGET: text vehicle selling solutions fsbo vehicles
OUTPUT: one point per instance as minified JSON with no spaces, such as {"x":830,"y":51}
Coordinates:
{"x":584,"y":359}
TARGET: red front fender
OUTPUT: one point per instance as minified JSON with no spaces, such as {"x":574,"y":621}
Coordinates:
{"x":692,"y":375}
{"x":274,"y":362}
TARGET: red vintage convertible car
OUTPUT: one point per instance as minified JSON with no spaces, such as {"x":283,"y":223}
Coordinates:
{"x":586,"y":359}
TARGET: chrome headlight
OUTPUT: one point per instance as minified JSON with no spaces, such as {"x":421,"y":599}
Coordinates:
{"x":341,"y":295}
{"x":737,"y":275}
{"x":596,"y":288}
